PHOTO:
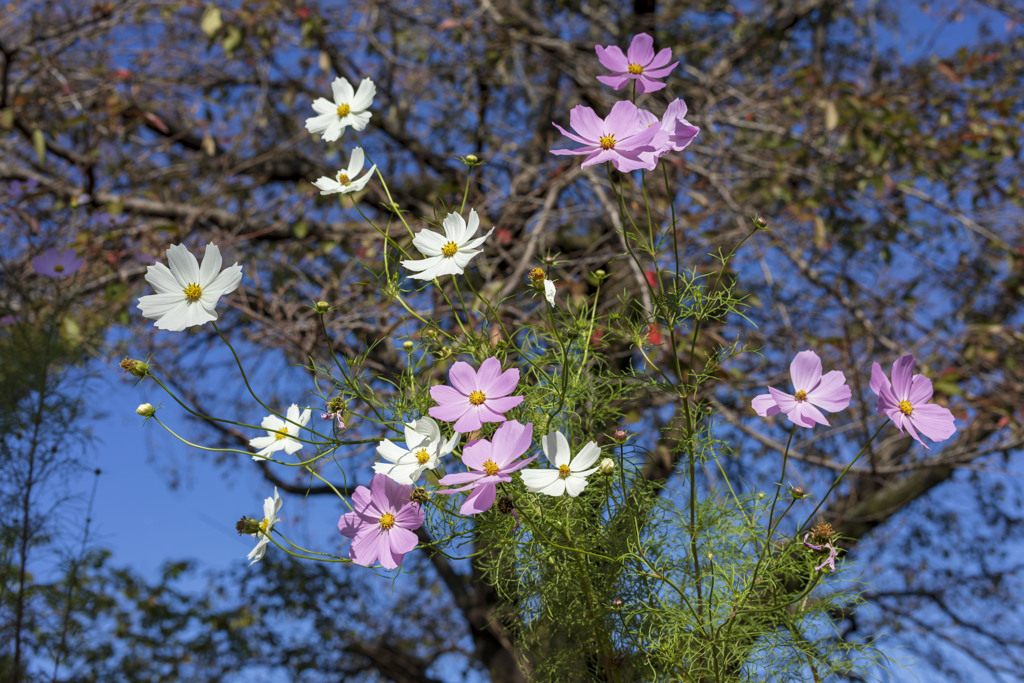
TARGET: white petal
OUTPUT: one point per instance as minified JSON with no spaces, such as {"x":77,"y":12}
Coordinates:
{"x":364,"y":96}
{"x":328,"y":185}
{"x":324,"y":107}
{"x":355,"y":162}
{"x":210,"y":268}
{"x":574,"y":484}
{"x":184,"y":265}
{"x":160,"y":277}
{"x":359,"y":121}
{"x":549,"y":292}
{"x":538,"y":480}
{"x":318,"y":124}
{"x":587,"y":456}
{"x":390,"y":451}
{"x":454,"y":228}
{"x":429,"y":243}
{"x":342,"y":91}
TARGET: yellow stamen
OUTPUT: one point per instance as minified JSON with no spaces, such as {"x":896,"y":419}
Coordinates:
{"x":636,"y":69}
{"x":193,"y":292}
{"x":607,"y":141}
{"x":280,"y":433}
{"x":449,"y":250}
{"x":564,"y":471}
{"x":490,"y":467}
{"x":422,"y":456}
{"x":477,"y":397}
{"x":387,"y":521}
{"x":800,"y":395}
{"x":343,"y":110}
{"x":264,"y":525}
{"x":343,"y":179}
{"x":906,"y":408}
{"x":58,"y":268}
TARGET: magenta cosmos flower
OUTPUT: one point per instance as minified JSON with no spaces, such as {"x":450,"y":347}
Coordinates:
{"x":905,"y":401}
{"x":382,"y":524}
{"x":490,"y":462}
{"x":811,"y":392}
{"x":640,"y":64}
{"x":621,"y":138}
{"x":675,"y":133}
{"x":54,"y":264}
{"x":475,"y":397}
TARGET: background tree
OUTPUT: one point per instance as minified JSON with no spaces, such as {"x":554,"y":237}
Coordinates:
{"x":889,"y":179}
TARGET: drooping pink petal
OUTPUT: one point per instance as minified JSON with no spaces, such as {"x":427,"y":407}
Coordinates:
{"x":878,"y":379}
{"x":616,"y":81}
{"x":480,"y":500}
{"x":934,"y":421}
{"x":764,"y":405}
{"x":645,"y":84}
{"x":805,"y":415}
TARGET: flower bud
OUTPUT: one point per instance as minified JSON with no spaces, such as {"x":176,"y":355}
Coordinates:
{"x":798,"y":493}
{"x":408,"y":345}
{"x":472,"y":158}
{"x":607,"y":466}
{"x":322,"y":306}
{"x":146,"y":410}
{"x":135,"y":367}
{"x":620,"y":435}
{"x":761,"y":223}
{"x":600,"y":274}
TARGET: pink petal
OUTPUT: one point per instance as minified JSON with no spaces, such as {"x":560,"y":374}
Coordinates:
{"x":805,"y":371}
{"x":463,"y":378}
{"x":645,"y":85}
{"x":612,"y":58}
{"x":902,"y":374}
{"x":518,"y":465}
{"x":571,"y":136}
{"x":660,"y":60}
{"x":623,"y":120}
{"x":878,"y":379}
{"x":401,"y":541}
{"x":458,"y":479}
{"x":641,"y":50}
{"x":615,"y":81}
{"x":764,"y":405}
{"x":785,"y":402}
{"x":411,"y":516}
{"x":502,"y":405}
{"x":350,"y":524}
{"x":909,"y":426}
{"x":832,"y":394}
{"x":511,"y":440}
{"x":488,"y":374}
{"x":805,"y":415}
{"x":662,"y":72}
{"x":470,"y":420}
{"x":361,"y":498}
{"x":920,"y":391}
{"x":935,"y":422}
{"x":365,"y":548}
{"x":385,"y":556}
{"x":584,"y":121}
{"x":449,"y":412}
{"x":475,"y":454}
{"x":480,"y":500}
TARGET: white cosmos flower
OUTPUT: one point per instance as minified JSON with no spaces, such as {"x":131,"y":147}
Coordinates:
{"x":348,"y":109}
{"x":447,"y":254}
{"x":549,"y":292}
{"x":346,"y":180}
{"x":567,"y":477}
{"x":280,"y":433}
{"x":187,"y":293}
{"x":271,"y":506}
{"x":423,"y":451}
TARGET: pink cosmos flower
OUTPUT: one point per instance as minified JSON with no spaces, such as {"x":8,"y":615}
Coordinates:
{"x":54,"y":264}
{"x":383,"y":523}
{"x":905,"y":401}
{"x":830,"y":561}
{"x":475,"y":397}
{"x":812,"y":391}
{"x":675,"y":132}
{"x":621,"y":138}
{"x":490,"y":462}
{"x":640,"y":63}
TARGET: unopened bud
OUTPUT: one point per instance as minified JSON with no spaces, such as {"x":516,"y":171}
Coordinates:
{"x":322,"y":306}
{"x":146,"y":410}
{"x":620,"y":435}
{"x":617,"y":602}
{"x":472,"y":158}
{"x":607,"y":466}
{"x":408,"y":345}
{"x":135,"y":367}
{"x":798,"y":493}
{"x":760,"y":222}
{"x":600,"y":274}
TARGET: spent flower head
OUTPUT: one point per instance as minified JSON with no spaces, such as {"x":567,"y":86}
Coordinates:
{"x":187,"y":293}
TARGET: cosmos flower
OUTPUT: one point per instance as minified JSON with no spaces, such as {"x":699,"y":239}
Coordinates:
{"x":489,"y":462}
{"x":280,"y":433}
{"x":187,"y":293}
{"x":640,"y":64}
{"x":383,"y":523}
{"x":423,"y":451}
{"x":349,"y":108}
{"x":346,"y":181}
{"x":54,"y":264}
{"x":675,"y":132}
{"x":812,"y":391}
{"x":475,"y":397}
{"x":569,"y":474}
{"x":447,"y":254}
{"x":621,"y":138}
{"x":271,"y":506}
{"x":905,"y":401}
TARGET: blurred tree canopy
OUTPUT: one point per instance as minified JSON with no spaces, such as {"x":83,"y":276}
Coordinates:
{"x":889,"y":175}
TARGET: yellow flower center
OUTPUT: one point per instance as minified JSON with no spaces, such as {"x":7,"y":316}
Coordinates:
{"x":906,"y":408}
{"x":490,"y":467}
{"x":422,"y":456}
{"x":564,"y":471}
{"x":265,"y":525}
{"x":280,"y":433}
{"x":537,"y":274}
{"x":343,"y":110}
{"x":193,"y":292}
{"x":636,"y":69}
{"x":607,"y":141}
{"x":58,"y":268}
{"x":387,"y":521}
{"x":800,"y":395}
{"x":477,"y":397}
{"x":449,"y":250}
{"x":343,"y":178}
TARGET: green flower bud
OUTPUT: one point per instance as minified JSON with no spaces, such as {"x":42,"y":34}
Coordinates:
{"x":146,"y":410}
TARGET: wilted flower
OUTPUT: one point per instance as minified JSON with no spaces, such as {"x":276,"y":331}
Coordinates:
{"x":348,"y":109}
{"x":423,"y":451}
{"x":346,"y":181}
{"x":640,"y":64}
{"x":490,"y":462}
{"x":187,"y":293}
{"x":475,"y":397}
{"x":905,"y":401}
{"x":271,"y":506}
{"x":280,"y":433}
{"x":828,"y":392}
{"x":447,"y":254}
{"x":569,"y":474}
{"x":383,"y":524}
{"x":53,"y":263}
{"x":830,"y":561}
